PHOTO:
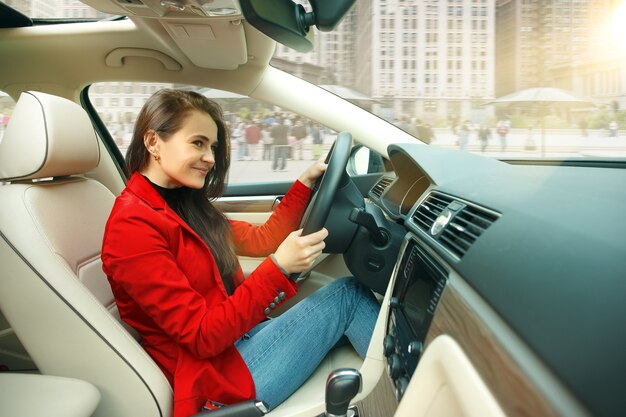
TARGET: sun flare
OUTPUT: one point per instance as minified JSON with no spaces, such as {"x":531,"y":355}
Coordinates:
{"x":619,"y":26}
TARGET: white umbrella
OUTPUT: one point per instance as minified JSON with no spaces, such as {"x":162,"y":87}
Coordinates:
{"x":542,"y":99}
{"x":548,"y":96}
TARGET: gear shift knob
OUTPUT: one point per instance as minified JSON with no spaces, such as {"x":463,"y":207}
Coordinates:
{"x":342,"y":386}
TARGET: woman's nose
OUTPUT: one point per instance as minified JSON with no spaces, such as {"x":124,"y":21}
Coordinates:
{"x":208,"y":156}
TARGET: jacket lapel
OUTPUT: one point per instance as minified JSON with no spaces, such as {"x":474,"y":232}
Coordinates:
{"x":146,"y":192}
{"x":142,"y":188}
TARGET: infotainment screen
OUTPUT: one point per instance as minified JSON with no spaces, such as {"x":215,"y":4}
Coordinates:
{"x":418,"y":286}
{"x":417,"y":298}
{"x":419,"y":293}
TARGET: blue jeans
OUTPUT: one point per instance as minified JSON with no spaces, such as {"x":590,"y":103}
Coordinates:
{"x":283,"y":352}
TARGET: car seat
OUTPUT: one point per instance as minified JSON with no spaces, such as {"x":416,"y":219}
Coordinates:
{"x":53,"y":291}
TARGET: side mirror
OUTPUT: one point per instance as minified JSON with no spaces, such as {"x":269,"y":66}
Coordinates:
{"x":365,"y":161}
{"x":288,"y":23}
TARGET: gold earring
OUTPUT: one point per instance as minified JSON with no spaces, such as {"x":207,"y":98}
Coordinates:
{"x":156,"y":157}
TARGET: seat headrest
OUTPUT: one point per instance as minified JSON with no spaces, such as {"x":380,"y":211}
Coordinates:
{"x":47,"y":136}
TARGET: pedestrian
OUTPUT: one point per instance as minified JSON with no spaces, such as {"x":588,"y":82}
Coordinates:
{"x":318,"y":140}
{"x":253,"y":137}
{"x":266,"y":138}
{"x":298,"y":131}
{"x":1,"y":125}
{"x":279,"y":134}
{"x":238,"y":136}
{"x":484,"y":134}
{"x":171,"y":259}
{"x":463,"y":133}
{"x":4,"y":121}
{"x":502,"y":130}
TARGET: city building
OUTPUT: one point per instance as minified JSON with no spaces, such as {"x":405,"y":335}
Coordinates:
{"x":425,"y":59}
{"x":556,"y":43}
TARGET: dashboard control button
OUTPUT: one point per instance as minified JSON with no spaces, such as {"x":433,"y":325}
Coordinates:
{"x":394,"y":366}
{"x":401,"y":386}
{"x":389,"y":345}
{"x":415,"y":348}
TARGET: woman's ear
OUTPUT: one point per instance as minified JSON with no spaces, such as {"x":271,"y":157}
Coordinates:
{"x":150,"y":141}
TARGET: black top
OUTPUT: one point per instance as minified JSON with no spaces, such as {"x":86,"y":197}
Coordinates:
{"x":170,"y":195}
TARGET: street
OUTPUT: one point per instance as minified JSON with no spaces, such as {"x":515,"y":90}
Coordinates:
{"x":520,"y":144}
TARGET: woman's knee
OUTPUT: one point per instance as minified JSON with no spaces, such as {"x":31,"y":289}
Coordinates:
{"x":351,"y":286}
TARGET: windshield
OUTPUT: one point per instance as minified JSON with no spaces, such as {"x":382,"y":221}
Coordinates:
{"x":511,"y":79}
{"x":508,"y":79}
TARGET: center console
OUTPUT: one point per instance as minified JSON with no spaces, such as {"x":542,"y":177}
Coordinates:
{"x":418,"y":283}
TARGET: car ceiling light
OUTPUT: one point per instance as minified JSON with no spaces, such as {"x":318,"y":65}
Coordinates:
{"x":217,"y":7}
{"x":173,"y":5}
{"x":220,"y":11}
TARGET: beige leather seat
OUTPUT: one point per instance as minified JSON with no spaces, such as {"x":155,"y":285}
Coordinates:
{"x":52,"y":288}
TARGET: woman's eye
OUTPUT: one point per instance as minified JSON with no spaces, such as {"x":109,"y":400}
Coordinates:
{"x":198,"y":143}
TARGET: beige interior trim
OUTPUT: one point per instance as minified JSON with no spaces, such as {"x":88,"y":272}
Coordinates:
{"x":116,"y":57}
{"x":26,"y":395}
{"x":445,"y":383}
{"x":12,"y":353}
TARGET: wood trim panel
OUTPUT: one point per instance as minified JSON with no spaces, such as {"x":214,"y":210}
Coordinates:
{"x":245,"y":205}
{"x":513,"y":390}
{"x":381,"y":402}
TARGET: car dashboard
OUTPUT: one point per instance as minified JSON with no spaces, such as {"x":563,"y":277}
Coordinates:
{"x":521,"y":268}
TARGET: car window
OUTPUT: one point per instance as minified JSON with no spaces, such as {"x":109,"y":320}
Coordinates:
{"x":252,"y":130}
{"x":6,"y":109}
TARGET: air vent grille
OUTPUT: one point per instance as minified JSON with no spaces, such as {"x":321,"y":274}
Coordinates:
{"x":428,"y":211}
{"x":380,"y":186}
{"x":453,"y":223}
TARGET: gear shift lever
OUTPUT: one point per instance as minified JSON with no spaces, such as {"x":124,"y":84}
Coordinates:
{"x":342,"y":386}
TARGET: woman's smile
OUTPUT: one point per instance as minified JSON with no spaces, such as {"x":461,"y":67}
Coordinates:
{"x":187,"y":156}
{"x":203,"y":171}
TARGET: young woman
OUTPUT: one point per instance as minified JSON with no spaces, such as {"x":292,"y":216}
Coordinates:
{"x":171,"y":260}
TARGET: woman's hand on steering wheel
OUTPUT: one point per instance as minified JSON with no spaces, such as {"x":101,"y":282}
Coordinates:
{"x":312,"y":174}
{"x":297,"y":253}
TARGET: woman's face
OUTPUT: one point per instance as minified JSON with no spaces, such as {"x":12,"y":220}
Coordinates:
{"x":187,"y":156}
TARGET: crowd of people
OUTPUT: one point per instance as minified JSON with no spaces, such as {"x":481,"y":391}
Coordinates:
{"x":462,"y":132}
{"x":277,"y":138}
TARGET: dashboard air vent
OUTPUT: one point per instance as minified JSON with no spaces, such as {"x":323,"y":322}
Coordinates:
{"x":380,"y":186}
{"x":428,"y":211}
{"x":453,"y":223}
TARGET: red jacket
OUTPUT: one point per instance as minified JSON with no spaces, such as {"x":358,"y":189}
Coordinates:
{"x":167,"y":286}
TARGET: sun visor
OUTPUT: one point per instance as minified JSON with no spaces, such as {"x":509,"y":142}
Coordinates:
{"x":216,"y":43}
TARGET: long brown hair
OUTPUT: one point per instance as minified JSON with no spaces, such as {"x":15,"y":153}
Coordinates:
{"x":165,"y":112}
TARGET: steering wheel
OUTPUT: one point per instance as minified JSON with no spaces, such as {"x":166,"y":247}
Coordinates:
{"x":327,"y":185}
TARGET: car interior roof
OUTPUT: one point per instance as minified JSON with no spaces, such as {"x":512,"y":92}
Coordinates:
{"x":228,"y":52}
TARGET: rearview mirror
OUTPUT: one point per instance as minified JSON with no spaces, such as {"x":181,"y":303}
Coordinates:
{"x":288,"y":23}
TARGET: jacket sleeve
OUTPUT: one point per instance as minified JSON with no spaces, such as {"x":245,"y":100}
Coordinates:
{"x":258,"y":241}
{"x":194,"y":312}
